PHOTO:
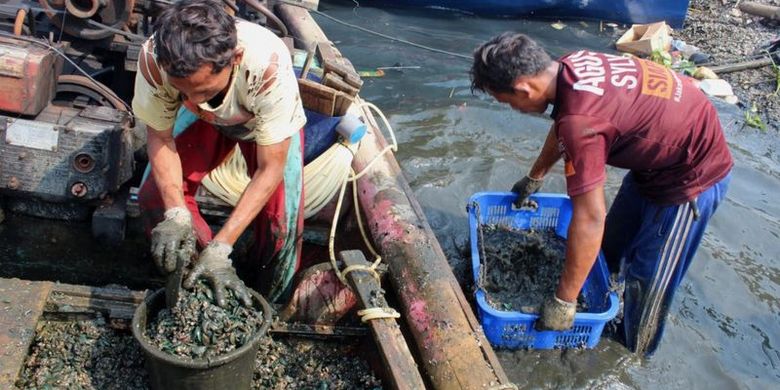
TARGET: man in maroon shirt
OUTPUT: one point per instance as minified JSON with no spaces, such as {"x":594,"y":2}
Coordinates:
{"x":632,"y":114}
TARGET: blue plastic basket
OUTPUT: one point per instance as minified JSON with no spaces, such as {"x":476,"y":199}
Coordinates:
{"x":512,"y":329}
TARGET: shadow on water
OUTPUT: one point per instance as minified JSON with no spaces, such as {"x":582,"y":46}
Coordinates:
{"x":723,"y":330}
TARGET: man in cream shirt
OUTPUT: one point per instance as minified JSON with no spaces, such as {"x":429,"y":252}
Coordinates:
{"x":205,"y":82}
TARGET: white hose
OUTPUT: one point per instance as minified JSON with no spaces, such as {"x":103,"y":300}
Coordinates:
{"x":323,"y":178}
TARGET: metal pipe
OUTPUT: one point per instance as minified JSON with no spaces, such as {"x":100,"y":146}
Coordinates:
{"x":83,"y":9}
{"x":259,"y":7}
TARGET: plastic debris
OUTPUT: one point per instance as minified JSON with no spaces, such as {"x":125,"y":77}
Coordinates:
{"x":704,"y":72}
{"x":558,"y":25}
{"x":372,"y":73}
{"x":719,"y":87}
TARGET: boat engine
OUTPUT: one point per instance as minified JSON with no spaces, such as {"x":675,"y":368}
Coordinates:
{"x":59,"y":161}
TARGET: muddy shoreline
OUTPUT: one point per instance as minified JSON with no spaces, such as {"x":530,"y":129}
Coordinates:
{"x":728,"y":35}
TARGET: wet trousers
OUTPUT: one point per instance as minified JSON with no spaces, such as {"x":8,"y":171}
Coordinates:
{"x":278,"y":227}
{"x":652,"y":247}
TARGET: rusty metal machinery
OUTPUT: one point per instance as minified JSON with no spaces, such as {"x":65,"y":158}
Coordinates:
{"x":80,"y":18}
{"x":68,"y":156}
{"x":67,"y":136}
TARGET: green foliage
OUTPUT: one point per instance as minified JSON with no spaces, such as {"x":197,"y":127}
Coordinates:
{"x":752,"y":118}
{"x":661,"y":57}
{"x":664,"y":58}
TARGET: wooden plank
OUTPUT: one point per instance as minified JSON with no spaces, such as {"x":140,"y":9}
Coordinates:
{"x":336,"y":82}
{"x":114,"y":303}
{"x":300,"y":329}
{"x":339,"y":66}
{"x":761,"y":62}
{"x":401,"y":369}
{"x":22,"y":304}
{"x":317,"y":97}
{"x":764,"y":10}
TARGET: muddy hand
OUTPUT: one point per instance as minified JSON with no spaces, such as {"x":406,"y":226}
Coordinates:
{"x":556,"y":314}
{"x":524,"y":188}
{"x":214,"y":265}
{"x":171,"y":238}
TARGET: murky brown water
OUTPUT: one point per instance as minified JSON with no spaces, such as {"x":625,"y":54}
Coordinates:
{"x":724,"y":326}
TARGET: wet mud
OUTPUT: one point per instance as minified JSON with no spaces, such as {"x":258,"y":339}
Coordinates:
{"x":306,"y":364}
{"x":197,"y":328}
{"x":83,"y":355}
{"x":521,"y":267}
{"x":728,"y":35}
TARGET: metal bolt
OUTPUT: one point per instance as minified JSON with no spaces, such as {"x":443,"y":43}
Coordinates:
{"x":78,"y":189}
{"x":22,"y":155}
{"x":84,"y":163}
{"x":13,"y":183}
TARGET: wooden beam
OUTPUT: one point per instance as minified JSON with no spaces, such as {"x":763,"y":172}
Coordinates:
{"x":402,"y":371}
{"x":453,"y":354}
{"x":761,"y":62}
{"x":22,"y":303}
{"x":764,"y":10}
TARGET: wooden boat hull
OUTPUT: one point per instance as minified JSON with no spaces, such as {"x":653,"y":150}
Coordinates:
{"x":440,"y":329}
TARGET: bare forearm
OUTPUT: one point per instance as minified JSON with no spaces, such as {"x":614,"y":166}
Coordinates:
{"x":582,"y":248}
{"x":254,"y":198}
{"x":547,"y":157}
{"x":166,"y":167}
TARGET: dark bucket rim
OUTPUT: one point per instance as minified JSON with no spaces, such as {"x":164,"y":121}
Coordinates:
{"x":198,"y":364}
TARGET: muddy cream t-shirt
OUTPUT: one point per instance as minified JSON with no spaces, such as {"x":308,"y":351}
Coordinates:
{"x":262,"y":102}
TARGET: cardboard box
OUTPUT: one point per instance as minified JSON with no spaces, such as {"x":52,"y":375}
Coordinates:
{"x":644,"y":39}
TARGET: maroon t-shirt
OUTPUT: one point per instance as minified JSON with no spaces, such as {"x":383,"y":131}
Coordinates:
{"x":635,"y":114}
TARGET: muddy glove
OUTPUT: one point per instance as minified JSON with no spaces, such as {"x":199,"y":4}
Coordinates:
{"x":171,"y":238}
{"x":524,"y":188}
{"x":556,"y":314}
{"x":214,"y":265}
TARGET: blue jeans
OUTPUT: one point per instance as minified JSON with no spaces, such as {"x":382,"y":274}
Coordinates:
{"x":652,"y":247}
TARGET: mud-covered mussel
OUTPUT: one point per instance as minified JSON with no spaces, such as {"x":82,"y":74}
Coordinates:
{"x":521,"y":268}
{"x":198,"y":328}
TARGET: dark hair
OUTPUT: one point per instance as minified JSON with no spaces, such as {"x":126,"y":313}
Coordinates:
{"x":501,"y":60}
{"x":193,"y":33}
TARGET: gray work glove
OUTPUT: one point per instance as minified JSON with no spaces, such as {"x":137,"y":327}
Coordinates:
{"x":524,"y":188}
{"x":214,"y":265}
{"x":556,"y":314}
{"x":171,"y":238}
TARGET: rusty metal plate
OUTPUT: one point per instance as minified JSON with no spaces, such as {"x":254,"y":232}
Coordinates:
{"x":32,"y":134}
{"x":12,"y":61}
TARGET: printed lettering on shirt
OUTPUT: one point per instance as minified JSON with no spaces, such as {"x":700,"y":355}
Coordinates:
{"x":656,"y":80}
{"x":590,"y":72}
{"x":624,"y":72}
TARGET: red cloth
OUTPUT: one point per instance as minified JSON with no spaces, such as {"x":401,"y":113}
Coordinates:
{"x":635,"y":114}
{"x":201,"y":148}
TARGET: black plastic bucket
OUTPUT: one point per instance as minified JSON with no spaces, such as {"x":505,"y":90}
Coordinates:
{"x":232,"y":370}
